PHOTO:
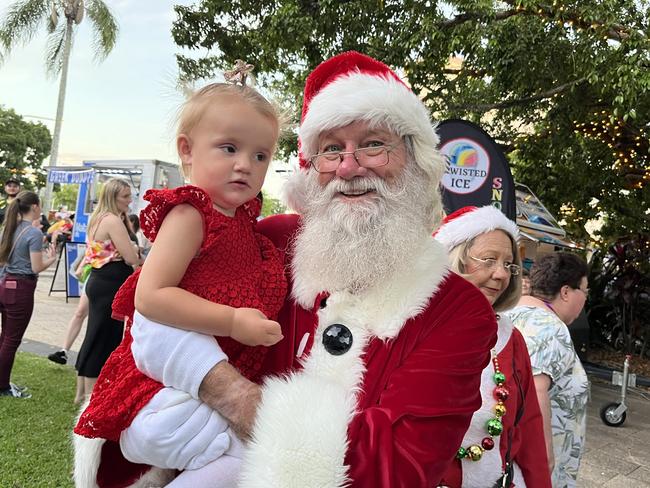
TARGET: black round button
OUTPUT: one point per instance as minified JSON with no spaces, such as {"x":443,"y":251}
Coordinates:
{"x":337,"y":339}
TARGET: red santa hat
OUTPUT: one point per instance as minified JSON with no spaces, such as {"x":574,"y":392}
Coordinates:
{"x":468,"y":222}
{"x":351,"y":87}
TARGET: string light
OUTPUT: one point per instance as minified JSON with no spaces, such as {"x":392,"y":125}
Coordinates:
{"x":631,"y":148}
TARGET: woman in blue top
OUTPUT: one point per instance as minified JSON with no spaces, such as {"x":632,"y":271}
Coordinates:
{"x":22,"y":257}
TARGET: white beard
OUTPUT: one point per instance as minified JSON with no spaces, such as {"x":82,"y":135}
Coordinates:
{"x":354,"y":245}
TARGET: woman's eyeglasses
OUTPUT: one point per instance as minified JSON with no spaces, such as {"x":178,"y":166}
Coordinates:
{"x":490,"y":264}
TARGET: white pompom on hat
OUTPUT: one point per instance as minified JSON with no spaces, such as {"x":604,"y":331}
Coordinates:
{"x":468,"y":222}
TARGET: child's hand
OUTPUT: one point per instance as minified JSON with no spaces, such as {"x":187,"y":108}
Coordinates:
{"x":252,"y":328}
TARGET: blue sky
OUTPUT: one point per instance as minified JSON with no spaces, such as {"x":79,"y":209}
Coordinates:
{"x":122,"y":108}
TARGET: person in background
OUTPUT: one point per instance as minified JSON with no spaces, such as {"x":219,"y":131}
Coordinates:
{"x":72,"y":331}
{"x":144,"y":244}
{"x":63,"y":225}
{"x":112,"y":254}
{"x":505,"y":441}
{"x":22,"y":257}
{"x":559,"y":291}
{"x":43,"y":225}
{"x":135,"y":223}
{"x":12,"y":188}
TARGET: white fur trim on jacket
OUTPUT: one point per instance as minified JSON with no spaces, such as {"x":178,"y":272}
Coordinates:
{"x":87,"y":457}
{"x":300,"y":435}
{"x":382,"y":101}
{"x":486,"y":471}
{"x":471,"y":224}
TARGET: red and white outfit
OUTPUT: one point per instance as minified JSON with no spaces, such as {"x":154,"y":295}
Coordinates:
{"x":523,"y":436}
{"x":391,"y":410}
{"x":235,"y":266}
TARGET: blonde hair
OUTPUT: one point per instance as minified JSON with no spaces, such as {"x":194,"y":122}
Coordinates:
{"x":107,"y":203}
{"x":194,"y":107}
{"x":510,"y":296}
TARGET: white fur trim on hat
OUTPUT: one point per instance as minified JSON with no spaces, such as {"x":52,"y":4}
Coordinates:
{"x":293,"y":191}
{"x":379,"y":100}
{"x":471,"y":224}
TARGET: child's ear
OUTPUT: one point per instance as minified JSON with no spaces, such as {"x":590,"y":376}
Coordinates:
{"x":184,"y":148}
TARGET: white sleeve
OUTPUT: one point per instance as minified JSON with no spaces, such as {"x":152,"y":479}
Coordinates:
{"x":177,"y":358}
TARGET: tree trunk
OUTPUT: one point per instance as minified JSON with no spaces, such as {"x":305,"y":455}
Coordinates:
{"x":54,"y":153}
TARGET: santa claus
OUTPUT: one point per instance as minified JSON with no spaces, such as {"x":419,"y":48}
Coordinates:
{"x":383,"y":346}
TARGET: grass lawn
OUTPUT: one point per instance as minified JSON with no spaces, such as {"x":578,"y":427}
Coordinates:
{"x":35,"y":446}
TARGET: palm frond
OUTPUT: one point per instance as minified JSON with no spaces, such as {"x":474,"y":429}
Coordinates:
{"x":105,"y":27}
{"x":52,"y":19}
{"x":54,"y":50}
{"x":22,"y":21}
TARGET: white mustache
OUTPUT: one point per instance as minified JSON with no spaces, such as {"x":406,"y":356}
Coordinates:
{"x":364,"y":184}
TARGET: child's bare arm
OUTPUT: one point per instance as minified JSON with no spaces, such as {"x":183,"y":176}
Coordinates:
{"x":159,"y":298}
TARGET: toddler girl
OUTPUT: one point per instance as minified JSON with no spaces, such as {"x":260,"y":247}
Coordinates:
{"x":207,"y":271}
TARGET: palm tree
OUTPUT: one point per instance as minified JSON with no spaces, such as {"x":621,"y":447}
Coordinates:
{"x":24,"y":18}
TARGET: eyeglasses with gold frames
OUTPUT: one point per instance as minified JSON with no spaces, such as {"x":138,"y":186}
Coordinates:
{"x":366,"y":157}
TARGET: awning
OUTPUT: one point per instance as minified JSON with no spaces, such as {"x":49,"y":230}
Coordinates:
{"x":539,"y":236}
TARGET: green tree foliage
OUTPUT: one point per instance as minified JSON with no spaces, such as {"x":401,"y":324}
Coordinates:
{"x":66,"y":196}
{"x":619,"y":297}
{"x":271,"y":206}
{"x":563,"y":86}
{"x":23,"y":147}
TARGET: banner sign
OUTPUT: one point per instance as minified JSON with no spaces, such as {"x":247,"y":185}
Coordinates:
{"x":82,"y":211}
{"x":477,"y":171}
{"x":73,"y":250}
{"x":70,"y":177}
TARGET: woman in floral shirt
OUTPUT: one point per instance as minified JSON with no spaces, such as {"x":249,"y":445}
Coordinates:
{"x":559,"y":291}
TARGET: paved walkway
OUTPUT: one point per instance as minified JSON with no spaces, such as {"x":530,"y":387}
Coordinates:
{"x":615,"y":457}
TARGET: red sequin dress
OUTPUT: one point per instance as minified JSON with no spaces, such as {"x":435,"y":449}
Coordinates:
{"x":235,"y":266}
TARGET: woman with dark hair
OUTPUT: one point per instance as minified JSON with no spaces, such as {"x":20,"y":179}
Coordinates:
{"x":559,"y":292}
{"x":22,"y":257}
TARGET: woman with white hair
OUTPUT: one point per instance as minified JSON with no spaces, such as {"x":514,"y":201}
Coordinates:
{"x":504,"y":444}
